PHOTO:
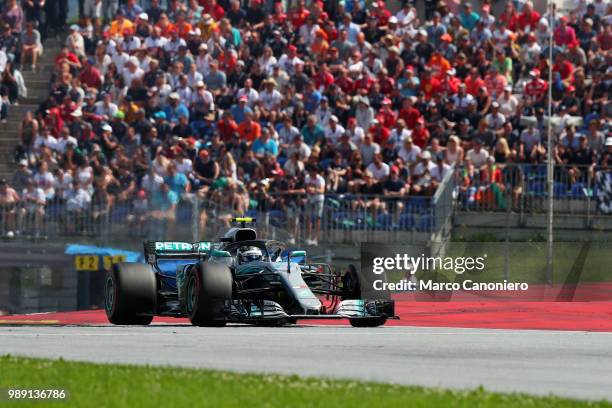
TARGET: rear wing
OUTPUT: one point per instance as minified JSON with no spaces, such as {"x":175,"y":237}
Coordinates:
{"x":154,"y":250}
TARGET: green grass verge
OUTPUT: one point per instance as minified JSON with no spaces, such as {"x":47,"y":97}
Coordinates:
{"x":135,"y":386}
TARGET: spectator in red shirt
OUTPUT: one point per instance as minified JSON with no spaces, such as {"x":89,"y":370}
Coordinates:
{"x":509,"y":16}
{"x":450,"y":84}
{"x":536,"y":88}
{"x":299,"y":16}
{"x":91,"y":76}
{"x":409,"y":113}
{"x":227,"y":126}
{"x":380,"y":133}
{"x":528,"y":20}
{"x":563,"y":67}
{"x":429,"y":84}
{"x":215,"y":10}
{"x":474,"y":82}
{"x":564,"y":34}
{"x":387,"y":116}
{"x":65,"y":56}
{"x":420,"y":134}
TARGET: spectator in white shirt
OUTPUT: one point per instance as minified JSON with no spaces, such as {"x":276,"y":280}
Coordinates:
{"x":477,"y":154}
{"x":409,"y":152}
{"x":333,"y":130}
{"x":378,"y":168}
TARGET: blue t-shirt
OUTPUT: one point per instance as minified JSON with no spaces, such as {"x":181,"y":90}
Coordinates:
{"x":177,"y":183}
{"x":163,"y":201}
{"x":469,"y":20}
{"x":173,"y":115}
{"x":239,"y":114}
{"x":268,"y":147}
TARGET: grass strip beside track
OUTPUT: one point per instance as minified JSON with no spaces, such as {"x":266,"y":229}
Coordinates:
{"x":137,"y":386}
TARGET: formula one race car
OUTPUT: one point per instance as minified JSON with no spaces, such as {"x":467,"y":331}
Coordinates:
{"x":240,"y":279}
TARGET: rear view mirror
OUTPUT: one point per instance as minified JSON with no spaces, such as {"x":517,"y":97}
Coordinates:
{"x":297,"y":254}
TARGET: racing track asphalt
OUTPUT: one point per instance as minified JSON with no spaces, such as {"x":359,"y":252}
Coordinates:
{"x":572,"y":364}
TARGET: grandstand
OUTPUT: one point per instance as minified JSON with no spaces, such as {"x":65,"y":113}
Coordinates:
{"x":326,"y":123}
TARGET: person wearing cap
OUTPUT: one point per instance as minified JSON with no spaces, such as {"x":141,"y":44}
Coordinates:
{"x":420,"y":134}
{"x":202,"y":101}
{"x":270,"y":97}
{"x":576,"y":55}
{"x":508,"y":103}
{"x":605,"y":157}
{"x":108,"y":140}
{"x":333,"y":130}
{"x":536,"y":88}
{"x":564,"y":34}
{"x":530,"y":50}
{"x":449,"y":85}
{"x":570,"y":101}
{"x":241,"y":109}
{"x":21,"y":175}
{"x":421,"y":174}
{"x":175,"y":108}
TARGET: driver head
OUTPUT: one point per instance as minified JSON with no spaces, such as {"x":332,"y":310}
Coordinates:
{"x":249,"y":254}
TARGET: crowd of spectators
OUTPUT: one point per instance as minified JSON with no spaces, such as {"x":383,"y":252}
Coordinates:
{"x":275,"y":104}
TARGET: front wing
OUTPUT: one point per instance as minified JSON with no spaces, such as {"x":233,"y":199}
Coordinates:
{"x":347,"y":309}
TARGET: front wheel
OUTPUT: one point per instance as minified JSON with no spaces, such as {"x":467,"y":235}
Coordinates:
{"x":130,"y":292}
{"x":208,"y":294}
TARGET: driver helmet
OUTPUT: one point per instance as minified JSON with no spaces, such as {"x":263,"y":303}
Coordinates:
{"x":249,"y":254}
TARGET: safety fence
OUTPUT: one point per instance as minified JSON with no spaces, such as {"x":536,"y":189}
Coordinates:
{"x":299,"y":218}
{"x":523,"y":188}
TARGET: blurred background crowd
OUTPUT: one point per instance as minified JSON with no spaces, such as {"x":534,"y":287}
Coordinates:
{"x":274,"y":105}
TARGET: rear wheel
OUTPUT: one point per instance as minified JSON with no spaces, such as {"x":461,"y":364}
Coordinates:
{"x":351,"y":284}
{"x":130,"y":291}
{"x":208,"y":293}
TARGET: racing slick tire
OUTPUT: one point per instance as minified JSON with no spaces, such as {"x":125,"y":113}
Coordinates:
{"x":373,"y":321}
{"x":130,"y":294}
{"x":208,"y":294}
{"x":351,"y":284}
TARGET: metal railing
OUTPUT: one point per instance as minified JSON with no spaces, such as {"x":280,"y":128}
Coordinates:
{"x":523,"y":188}
{"x":337,"y":217}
